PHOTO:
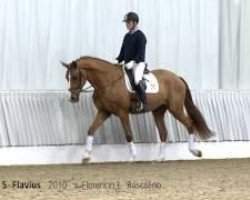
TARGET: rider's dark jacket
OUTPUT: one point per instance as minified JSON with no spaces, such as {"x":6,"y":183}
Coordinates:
{"x":133,"y":47}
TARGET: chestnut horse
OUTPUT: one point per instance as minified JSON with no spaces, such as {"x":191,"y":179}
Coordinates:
{"x":111,"y":96}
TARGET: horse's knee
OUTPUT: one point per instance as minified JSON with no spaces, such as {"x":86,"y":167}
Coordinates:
{"x":162,"y":132}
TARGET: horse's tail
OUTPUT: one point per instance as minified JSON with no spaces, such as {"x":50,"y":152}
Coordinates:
{"x":194,"y":113}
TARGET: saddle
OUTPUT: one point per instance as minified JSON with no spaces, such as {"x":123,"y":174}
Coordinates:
{"x":150,"y":83}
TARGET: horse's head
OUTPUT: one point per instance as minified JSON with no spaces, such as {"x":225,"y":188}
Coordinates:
{"x":76,"y":80}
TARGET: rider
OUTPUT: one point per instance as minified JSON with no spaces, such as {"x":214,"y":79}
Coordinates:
{"x":133,"y":53}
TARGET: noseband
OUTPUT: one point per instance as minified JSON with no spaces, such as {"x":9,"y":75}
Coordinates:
{"x":77,"y":89}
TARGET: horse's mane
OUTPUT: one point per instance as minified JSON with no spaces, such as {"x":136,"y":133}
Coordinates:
{"x":116,"y":66}
{"x":73,"y":64}
{"x":93,"y":58}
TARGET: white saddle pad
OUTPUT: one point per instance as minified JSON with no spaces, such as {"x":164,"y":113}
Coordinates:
{"x":150,"y":79}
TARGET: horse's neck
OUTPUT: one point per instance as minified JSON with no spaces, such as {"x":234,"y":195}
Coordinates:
{"x":100,"y":74}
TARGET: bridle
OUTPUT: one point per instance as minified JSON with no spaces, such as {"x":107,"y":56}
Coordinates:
{"x":79,"y":90}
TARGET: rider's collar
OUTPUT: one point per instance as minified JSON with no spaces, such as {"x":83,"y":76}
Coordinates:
{"x":134,"y":30}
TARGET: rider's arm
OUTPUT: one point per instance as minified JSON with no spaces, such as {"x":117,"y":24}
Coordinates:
{"x":140,"y":49}
{"x":120,"y":58}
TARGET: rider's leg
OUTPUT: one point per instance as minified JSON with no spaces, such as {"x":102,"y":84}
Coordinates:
{"x":138,"y":70}
{"x":142,"y":94}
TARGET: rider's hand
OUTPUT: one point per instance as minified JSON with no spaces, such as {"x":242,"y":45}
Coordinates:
{"x":130,"y":64}
{"x":116,"y":62}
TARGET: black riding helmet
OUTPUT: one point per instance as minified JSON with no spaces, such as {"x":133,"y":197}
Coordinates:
{"x":131,"y":16}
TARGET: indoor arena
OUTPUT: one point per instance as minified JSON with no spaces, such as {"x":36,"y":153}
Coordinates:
{"x":128,"y":99}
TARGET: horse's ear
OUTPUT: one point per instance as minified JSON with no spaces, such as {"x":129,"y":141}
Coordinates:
{"x":64,"y":64}
{"x":73,"y":64}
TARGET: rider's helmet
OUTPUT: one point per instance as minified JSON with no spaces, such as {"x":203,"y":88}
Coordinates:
{"x":131,"y":16}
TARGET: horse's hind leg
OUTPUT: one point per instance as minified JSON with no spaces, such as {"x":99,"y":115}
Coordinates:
{"x":99,"y":119}
{"x":124,"y":117}
{"x":159,"y":121}
{"x":179,"y":114}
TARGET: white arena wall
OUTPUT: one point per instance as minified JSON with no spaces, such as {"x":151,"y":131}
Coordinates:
{"x":205,"y":42}
{"x":44,"y":127}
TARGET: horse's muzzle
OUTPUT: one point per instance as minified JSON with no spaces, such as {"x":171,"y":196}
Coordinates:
{"x":74,"y":98}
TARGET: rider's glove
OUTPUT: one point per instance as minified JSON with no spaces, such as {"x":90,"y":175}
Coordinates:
{"x":130,"y":64}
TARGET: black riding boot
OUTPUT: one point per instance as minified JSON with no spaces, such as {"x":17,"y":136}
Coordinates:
{"x":141,"y":87}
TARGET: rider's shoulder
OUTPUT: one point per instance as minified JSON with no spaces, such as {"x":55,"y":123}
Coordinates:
{"x":140,"y":33}
{"x":126,"y":35}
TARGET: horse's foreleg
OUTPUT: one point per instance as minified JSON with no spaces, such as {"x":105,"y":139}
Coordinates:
{"x":99,"y":119}
{"x":159,"y":121}
{"x":128,"y":134}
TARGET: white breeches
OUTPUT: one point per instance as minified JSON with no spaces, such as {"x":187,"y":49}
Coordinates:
{"x":138,"y":70}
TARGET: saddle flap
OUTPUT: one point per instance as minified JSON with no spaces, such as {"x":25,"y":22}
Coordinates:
{"x":152,"y":85}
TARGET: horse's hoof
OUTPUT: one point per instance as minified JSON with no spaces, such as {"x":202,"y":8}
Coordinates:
{"x":160,"y":158}
{"x":84,"y":160}
{"x":196,"y":153}
{"x":132,"y":158}
{"x":163,"y":159}
{"x":86,"y":157}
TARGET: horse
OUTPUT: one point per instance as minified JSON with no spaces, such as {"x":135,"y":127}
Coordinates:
{"x":110,"y":96}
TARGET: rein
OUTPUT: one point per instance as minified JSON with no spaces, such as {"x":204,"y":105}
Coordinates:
{"x":109,"y":84}
{"x":96,"y":88}
{"x":86,"y":89}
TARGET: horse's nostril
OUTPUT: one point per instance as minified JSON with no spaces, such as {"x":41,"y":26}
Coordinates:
{"x":73,"y":99}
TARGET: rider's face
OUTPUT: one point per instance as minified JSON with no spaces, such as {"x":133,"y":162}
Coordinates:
{"x":130,"y":25}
